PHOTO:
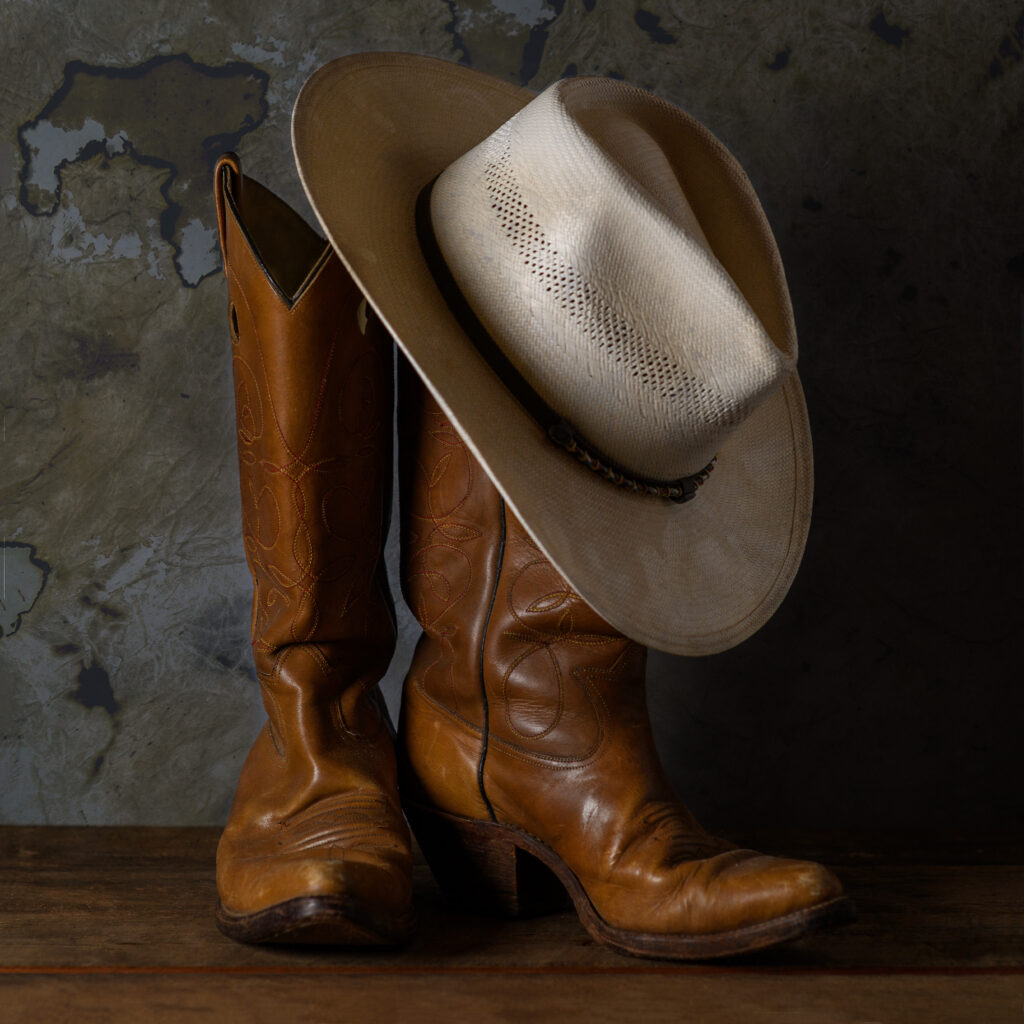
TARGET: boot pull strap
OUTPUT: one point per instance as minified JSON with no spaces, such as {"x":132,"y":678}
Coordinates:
{"x":227,"y":180}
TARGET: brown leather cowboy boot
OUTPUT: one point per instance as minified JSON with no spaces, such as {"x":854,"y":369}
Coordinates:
{"x":316,"y":848}
{"x":525,"y":744}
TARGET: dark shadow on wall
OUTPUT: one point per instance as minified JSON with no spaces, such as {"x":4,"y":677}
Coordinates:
{"x":886,"y":692}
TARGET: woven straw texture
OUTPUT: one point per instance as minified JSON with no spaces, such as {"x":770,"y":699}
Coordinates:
{"x":598,"y":283}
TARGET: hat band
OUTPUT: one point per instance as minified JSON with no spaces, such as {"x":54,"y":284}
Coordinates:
{"x":558,"y":430}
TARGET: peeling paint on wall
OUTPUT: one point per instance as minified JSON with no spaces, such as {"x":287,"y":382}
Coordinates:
{"x":170,"y":113}
{"x":23,"y":576}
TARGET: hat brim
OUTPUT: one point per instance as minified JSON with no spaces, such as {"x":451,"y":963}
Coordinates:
{"x":369,"y":131}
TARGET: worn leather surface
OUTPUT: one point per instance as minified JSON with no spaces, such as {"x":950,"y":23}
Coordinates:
{"x":523,"y":707}
{"x":316,"y":812}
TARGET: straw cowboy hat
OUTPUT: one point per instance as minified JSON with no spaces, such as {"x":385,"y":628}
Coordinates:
{"x":586,"y":282}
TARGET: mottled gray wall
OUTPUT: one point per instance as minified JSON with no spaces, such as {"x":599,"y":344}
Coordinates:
{"x":886,"y":142}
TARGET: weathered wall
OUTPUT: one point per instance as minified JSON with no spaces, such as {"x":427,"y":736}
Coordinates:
{"x":886,"y":143}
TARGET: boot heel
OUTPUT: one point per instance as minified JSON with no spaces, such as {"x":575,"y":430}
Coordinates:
{"x":480,"y":869}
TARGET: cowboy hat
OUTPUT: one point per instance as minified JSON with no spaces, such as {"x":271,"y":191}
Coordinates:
{"x":587,"y":284}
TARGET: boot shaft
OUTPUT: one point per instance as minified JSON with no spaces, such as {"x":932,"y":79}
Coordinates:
{"x":522,"y":669}
{"x":313,"y":388}
{"x":451,"y":552}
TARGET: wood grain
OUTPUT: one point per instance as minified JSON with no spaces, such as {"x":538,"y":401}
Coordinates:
{"x":750,"y":999}
{"x":100,"y":918}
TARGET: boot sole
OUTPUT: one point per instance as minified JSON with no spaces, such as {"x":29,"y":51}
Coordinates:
{"x":314,"y":920}
{"x":501,"y":869}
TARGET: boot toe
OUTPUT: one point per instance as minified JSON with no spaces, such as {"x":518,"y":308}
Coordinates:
{"x":348,"y":897}
{"x":743,"y":888}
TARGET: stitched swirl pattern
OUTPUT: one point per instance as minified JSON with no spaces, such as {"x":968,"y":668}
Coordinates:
{"x":547,"y":655}
{"x":311,"y":439}
{"x":554,"y":657}
{"x":439,"y":549}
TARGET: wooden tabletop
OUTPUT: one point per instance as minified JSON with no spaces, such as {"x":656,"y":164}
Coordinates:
{"x":117,"y":923}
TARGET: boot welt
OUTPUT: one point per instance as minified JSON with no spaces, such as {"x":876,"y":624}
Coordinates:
{"x":481,"y":866}
{"x":316,"y":920}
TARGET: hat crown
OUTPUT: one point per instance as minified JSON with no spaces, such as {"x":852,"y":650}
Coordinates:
{"x":569,"y":234}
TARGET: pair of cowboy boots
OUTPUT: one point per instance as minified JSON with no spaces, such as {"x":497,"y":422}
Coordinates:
{"x":525,"y":759}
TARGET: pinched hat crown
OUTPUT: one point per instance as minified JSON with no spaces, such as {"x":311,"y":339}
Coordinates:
{"x":569,"y":233}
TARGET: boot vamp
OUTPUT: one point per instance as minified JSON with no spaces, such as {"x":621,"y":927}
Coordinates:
{"x":651,"y":886}
{"x":316,"y":823}
{"x":356,"y":859}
